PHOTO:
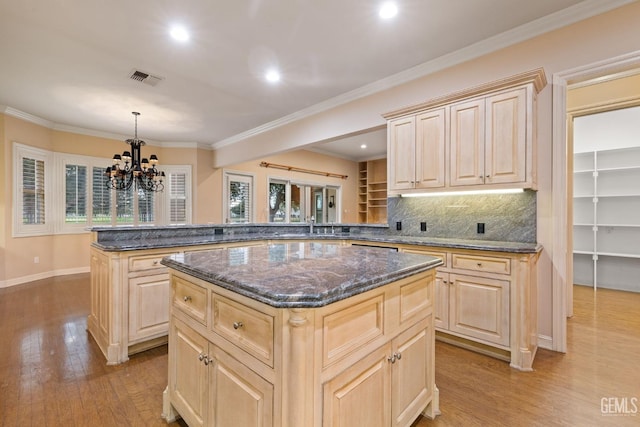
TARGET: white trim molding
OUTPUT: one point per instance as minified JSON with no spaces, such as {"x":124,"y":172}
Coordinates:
{"x":562,"y":279}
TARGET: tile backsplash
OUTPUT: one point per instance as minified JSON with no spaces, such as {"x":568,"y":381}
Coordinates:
{"x":506,"y":217}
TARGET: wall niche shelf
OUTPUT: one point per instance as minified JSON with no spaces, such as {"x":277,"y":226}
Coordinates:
{"x":372,"y":191}
{"x":606,"y":218}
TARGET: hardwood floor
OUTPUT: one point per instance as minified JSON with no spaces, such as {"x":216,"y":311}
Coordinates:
{"x":53,"y":374}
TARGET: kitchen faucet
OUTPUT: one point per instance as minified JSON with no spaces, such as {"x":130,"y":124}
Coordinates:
{"x":311,"y":221}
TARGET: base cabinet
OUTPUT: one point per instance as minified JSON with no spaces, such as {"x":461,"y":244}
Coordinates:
{"x":130,"y":299}
{"x":365,"y":360}
{"x":389,"y":387}
{"x":210,"y":387}
{"x":487,"y":301}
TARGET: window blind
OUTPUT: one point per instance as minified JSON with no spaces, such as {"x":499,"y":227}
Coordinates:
{"x":101,"y":198}
{"x":33,"y":208}
{"x":177,"y":198}
{"x":75,"y":194}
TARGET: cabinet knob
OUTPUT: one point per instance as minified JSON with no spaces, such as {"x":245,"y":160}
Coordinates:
{"x":186,"y":298}
{"x":206,"y":361}
{"x":155,"y":262}
{"x":480,"y":265}
{"x":392,"y":358}
{"x":398,"y":356}
{"x":201,"y":357}
{"x":237,"y":325}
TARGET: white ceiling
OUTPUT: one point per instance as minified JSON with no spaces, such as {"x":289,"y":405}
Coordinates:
{"x":68,"y":61}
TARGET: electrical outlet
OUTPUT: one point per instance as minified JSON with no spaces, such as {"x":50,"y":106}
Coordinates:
{"x":423,"y":226}
{"x":481,"y":228}
{"x":399,"y":225}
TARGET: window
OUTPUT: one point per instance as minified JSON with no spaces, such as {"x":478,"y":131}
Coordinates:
{"x":100,"y":198}
{"x":85,"y":200}
{"x":31,"y":194}
{"x":178,"y":189}
{"x":298,"y":202}
{"x":238,"y":198}
{"x":75,"y":194}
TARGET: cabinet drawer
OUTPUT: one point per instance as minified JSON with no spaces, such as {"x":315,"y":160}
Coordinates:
{"x":416,"y":297}
{"x":246,"y":327}
{"x":146,"y":262}
{"x":479,"y":263}
{"x":190,"y":298}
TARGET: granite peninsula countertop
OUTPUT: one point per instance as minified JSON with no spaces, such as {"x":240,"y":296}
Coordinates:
{"x":301,"y":274}
{"x":203,"y":239}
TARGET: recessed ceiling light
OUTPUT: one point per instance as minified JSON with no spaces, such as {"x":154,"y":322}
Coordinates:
{"x":388,"y":10}
{"x":272,"y":76}
{"x":179,"y":33}
{"x":363,"y":146}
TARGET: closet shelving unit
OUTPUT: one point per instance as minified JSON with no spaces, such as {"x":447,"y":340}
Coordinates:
{"x":606,"y":206}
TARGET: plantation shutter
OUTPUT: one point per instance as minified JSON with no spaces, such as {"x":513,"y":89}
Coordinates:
{"x":178,"y":198}
{"x":101,"y":203}
{"x":75,"y":194}
{"x":33,"y":208}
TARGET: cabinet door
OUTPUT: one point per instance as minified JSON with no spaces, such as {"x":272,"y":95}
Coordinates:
{"x":412,"y":373}
{"x":401,"y":153}
{"x":467,"y":143}
{"x":360,"y":395}
{"x":239,"y":396}
{"x":479,"y":308}
{"x":441,"y":301}
{"x":148,"y":307}
{"x":430,"y":149}
{"x":505,"y":144}
{"x":188,"y":373}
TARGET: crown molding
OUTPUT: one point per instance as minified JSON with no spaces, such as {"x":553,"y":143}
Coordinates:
{"x":9,"y":111}
{"x":562,"y":18}
{"x":96,"y":133}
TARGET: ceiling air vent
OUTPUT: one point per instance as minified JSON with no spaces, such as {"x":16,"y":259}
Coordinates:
{"x":145,"y":78}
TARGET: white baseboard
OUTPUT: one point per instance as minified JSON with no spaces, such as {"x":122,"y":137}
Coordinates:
{"x":545,"y":342}
{"x":40,"y":276}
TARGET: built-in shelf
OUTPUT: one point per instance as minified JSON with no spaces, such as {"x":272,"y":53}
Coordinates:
{"x":372,"y":191}
{"x":606,"y":218}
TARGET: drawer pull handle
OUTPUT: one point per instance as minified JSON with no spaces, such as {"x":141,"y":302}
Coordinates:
{"x":186,"y":298}
{"x":237,"y":325}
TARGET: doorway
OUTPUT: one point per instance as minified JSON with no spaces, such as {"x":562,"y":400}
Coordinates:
{"x":562,"y":187}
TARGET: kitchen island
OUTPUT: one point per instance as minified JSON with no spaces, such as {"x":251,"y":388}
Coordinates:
{"x":301,"y":334}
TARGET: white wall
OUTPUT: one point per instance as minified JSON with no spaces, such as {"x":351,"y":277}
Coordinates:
{"x":606,"y":131}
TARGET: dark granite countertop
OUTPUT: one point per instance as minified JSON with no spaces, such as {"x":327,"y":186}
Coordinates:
{"x":169,"y":242}
{"x":300,"y":274}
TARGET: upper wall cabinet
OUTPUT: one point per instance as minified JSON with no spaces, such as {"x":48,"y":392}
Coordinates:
{"x":479,"y":138}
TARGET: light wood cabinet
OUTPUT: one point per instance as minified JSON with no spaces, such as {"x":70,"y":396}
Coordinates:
{"x":365,"y":360}
{"x":205,"y":381}
{"x":396,"y":381}
{"x":130,"y":299}
{"x":416,"y":151}
{"x":480,"y":138}
{"x":487,"y":301}
{"x":489,"y":143}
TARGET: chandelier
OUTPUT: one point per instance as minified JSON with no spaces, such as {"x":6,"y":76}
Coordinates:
{"x":139,"y":173}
